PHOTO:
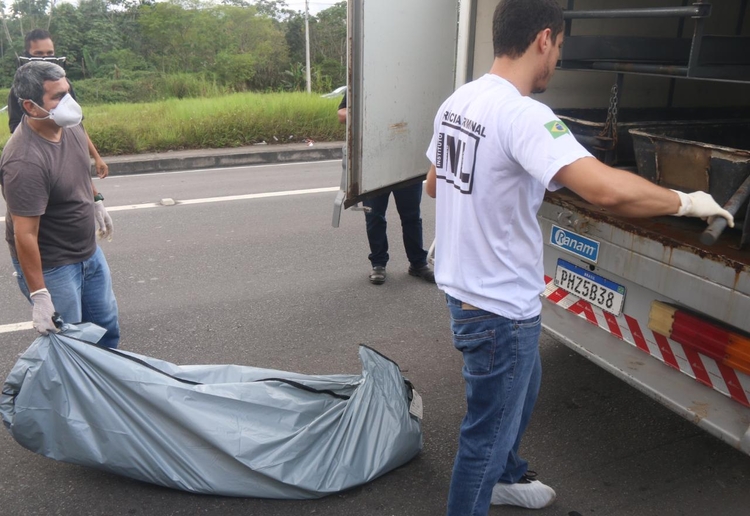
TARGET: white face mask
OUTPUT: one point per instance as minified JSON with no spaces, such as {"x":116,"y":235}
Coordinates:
{"x":66,"y":114}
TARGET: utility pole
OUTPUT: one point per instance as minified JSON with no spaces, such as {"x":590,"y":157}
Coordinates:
{"x":307,"y":43}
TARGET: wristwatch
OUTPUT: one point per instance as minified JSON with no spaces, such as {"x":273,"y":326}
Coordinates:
{"x":98,"y":197}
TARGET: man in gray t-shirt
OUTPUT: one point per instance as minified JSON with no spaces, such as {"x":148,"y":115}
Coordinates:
{"x":52,"y":212}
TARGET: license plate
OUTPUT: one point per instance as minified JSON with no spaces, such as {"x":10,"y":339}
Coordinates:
{"x":598,"y":291}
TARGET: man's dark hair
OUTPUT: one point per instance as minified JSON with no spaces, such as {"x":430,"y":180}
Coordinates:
{"x":35,"y":35}
{"x":28,"y":83}
{"x":516,"y":23}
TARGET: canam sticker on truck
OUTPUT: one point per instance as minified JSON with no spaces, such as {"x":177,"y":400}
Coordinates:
{"x":575,"y":244}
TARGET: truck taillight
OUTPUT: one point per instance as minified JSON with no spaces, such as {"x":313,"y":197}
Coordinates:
{"x":722,"y":344}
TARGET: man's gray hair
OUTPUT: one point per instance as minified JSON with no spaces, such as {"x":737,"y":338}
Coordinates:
{"x":28,"y":83}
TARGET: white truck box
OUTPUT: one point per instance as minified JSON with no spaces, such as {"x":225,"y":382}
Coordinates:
{"x":406,"y":57}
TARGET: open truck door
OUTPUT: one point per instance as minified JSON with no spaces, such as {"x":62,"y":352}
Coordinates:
{"x":405,"y":53}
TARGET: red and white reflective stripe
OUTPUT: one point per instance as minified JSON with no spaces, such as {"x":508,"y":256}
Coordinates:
{"x":706,"y":370}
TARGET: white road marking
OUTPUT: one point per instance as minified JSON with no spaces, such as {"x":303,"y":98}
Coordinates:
{"x":260,"y":195}
{"x":227,"y":198}
{"x":7,"y":328}
{"x":271,"y":165}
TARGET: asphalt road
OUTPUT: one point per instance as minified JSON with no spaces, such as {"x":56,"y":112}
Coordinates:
{"x":267,"y":281}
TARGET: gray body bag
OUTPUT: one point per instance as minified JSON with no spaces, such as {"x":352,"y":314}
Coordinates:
{"x":215,"y":429}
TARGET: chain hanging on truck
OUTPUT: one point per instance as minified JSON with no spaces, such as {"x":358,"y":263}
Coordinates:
{"x":608,"y":135}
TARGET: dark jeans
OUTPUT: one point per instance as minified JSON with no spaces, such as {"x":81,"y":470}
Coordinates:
{"x":408,"y":200}
{"x":503,"y":371}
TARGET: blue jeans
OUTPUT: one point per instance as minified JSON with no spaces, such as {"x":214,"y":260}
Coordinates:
{"x":408,"y":200}
{"x":82,"y":292}
{"x":502,"y":370}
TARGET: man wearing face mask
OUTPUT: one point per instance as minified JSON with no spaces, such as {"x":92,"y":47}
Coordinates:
{"x":52,"y":214}
{"x":39,"y":47}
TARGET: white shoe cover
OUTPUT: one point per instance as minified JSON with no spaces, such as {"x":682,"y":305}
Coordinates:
{"x":531,"y":495}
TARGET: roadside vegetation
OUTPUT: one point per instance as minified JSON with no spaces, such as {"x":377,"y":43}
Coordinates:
{"x":188,"y":74}
{"x":197,"y":123}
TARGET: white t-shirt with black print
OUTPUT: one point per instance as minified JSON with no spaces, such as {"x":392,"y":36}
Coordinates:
{"x":495,"y":151}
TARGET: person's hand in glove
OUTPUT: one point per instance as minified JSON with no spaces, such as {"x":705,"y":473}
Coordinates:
{"x":104,"y":227}
{"x":43,"y":311}
{"x":701,"y":204}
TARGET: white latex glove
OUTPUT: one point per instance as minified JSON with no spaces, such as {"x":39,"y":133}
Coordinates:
{"x":700,"y":204}
{"x":43,"y":312}
{"x":104,"y":227}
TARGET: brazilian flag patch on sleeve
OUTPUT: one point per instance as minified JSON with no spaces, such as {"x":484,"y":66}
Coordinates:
{"x":556,"y":128}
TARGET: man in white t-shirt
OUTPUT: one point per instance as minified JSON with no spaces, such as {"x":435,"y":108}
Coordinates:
{"x":494,"y":152}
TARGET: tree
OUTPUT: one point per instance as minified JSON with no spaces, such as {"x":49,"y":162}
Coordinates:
{"x":329,"y":42}
{"x":295,"y":36}
{"x":243,"y":44}
{"x":327,"y":45}
{"x":179,"y":39}
{"x":99,"y":37}
{"x":276,"y":9}
{"x":123,"y":59}
{"x":31,"y":14}
{"x":257,"y":41}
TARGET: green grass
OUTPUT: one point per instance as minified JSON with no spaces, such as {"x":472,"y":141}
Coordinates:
{"x":208,"y":123}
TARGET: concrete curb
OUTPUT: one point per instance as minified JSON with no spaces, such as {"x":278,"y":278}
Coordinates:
{"x":217,"y":158}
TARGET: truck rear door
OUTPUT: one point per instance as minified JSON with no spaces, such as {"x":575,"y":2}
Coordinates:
{"x":401,"y":68}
